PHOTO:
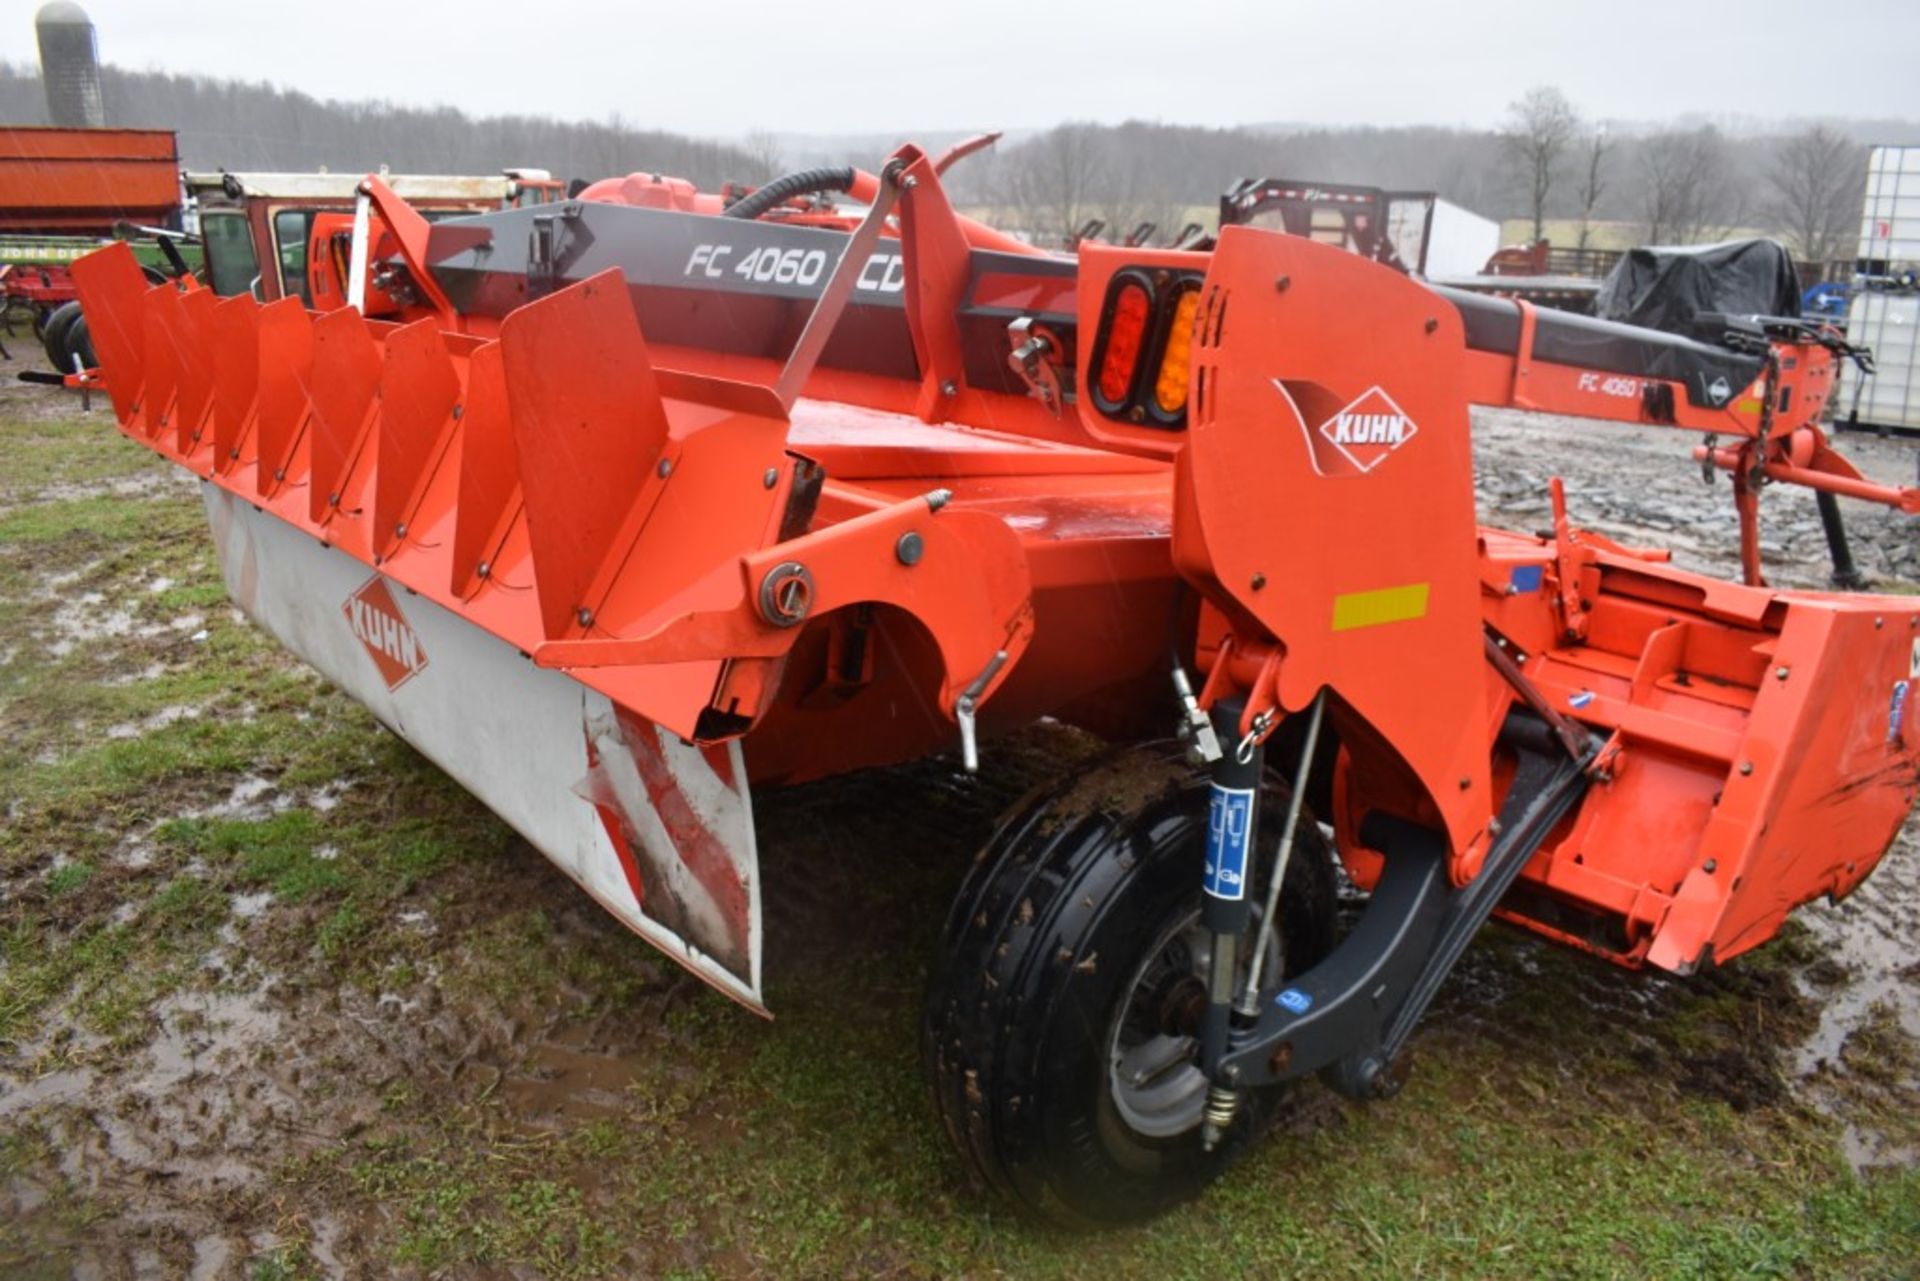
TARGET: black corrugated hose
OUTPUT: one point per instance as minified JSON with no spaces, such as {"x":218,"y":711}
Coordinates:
{"x":802,"y":182}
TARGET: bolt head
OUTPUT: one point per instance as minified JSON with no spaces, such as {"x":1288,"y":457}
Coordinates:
{"x":665,"y":468}
{"x":949,"y":388}
{"x":584,"y":617}
{"x":1259,"y":581}
{"x":772,"y":477}
{"x":1746,"y":767}
{"x":910,"y":548}
{"x":1283,"y":284}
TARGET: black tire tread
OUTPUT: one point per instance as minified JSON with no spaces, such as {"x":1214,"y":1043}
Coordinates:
{"x":1011,"y":945}
{"x":53,"y":335}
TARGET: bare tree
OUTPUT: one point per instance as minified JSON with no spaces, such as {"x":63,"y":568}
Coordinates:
{"x":1596,"y":146}
{"x":763,"y":146}
{"x":1131,"y":187}
{"x":1048,"y":182}
{"x":1693,"y":190}
{"x":1539,"y":128}
{"x":1814,"y":193}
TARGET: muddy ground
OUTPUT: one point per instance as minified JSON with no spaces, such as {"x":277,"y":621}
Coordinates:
{"x":277,"y":1000}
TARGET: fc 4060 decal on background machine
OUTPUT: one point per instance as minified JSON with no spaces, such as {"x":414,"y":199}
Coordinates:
{"x":610,"y":529}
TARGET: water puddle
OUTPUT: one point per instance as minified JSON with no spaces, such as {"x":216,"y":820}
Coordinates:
{"x":254,"y":796}
{"x":158,"y":721}
{"x":1867,"y":991}
{"x":565,"y":1075}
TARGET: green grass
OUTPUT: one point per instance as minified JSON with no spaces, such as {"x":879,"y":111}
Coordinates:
{"x":1553,"y":1129}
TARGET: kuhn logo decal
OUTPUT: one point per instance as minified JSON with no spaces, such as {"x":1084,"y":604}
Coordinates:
{"x":379,"y":625}
{"x":1363,"y":434}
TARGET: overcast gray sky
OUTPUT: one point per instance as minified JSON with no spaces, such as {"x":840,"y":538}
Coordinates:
{"x":720,"y":68}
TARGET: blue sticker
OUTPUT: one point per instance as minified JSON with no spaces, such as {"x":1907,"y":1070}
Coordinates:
{"x":1294,"y":1001}
{"x":1580,"y":699}
{"x":1229,"y":832}
{"x":1899,"y":713}
{"x":1525,"y":578}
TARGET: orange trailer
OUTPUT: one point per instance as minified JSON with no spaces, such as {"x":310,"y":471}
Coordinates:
{"x":87,"y":180}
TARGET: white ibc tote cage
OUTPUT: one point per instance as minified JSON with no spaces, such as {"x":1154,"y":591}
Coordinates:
{"x":1884,"y":313}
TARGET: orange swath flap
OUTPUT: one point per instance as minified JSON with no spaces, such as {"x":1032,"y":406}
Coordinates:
{"x":236,"y":374}
{"x":489,"y":475}
{"x":194,"y":330}
{"x":418,"y":389}
{"x":161,"y":316}
{"x":111,"y":287}
{"x":346,"y":370}
{"x":588,"y":424}
{"x":285,"y":337}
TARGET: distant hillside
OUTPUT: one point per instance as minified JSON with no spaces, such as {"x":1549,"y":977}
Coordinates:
{"x":230,"y":124}
{"x":1682,"y":180}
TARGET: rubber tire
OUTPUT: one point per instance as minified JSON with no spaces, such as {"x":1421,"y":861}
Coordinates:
{"x":80,"y":343}
{"x":1016,"y":1031}
{"x":53,"y":335}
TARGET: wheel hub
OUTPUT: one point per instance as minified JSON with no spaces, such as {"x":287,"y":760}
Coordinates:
{"x":1153,"y":1074}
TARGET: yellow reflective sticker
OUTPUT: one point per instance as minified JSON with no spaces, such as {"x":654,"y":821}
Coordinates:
{"x":1383,"y":605}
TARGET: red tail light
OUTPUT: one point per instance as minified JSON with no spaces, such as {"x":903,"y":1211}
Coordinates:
{"x":1128,"y":312}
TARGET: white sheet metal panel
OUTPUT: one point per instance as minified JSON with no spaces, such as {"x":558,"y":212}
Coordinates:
{"x":1460,"y":241}
{"x":542,"y":751}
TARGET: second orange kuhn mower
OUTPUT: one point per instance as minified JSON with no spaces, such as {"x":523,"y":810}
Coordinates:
{"x":646,"y":499}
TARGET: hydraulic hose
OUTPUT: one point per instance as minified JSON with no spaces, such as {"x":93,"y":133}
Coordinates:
{"x":803,"y":182}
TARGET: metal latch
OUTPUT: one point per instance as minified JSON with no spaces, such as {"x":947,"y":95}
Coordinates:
{"x":1032,"y":358}
{"x":964,"y":706}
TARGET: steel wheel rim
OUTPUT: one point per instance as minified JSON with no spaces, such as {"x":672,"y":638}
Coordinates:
{"x":1155,"y":1083}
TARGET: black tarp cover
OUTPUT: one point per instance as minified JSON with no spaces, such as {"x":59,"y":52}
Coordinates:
{"x":1665,"y":287}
